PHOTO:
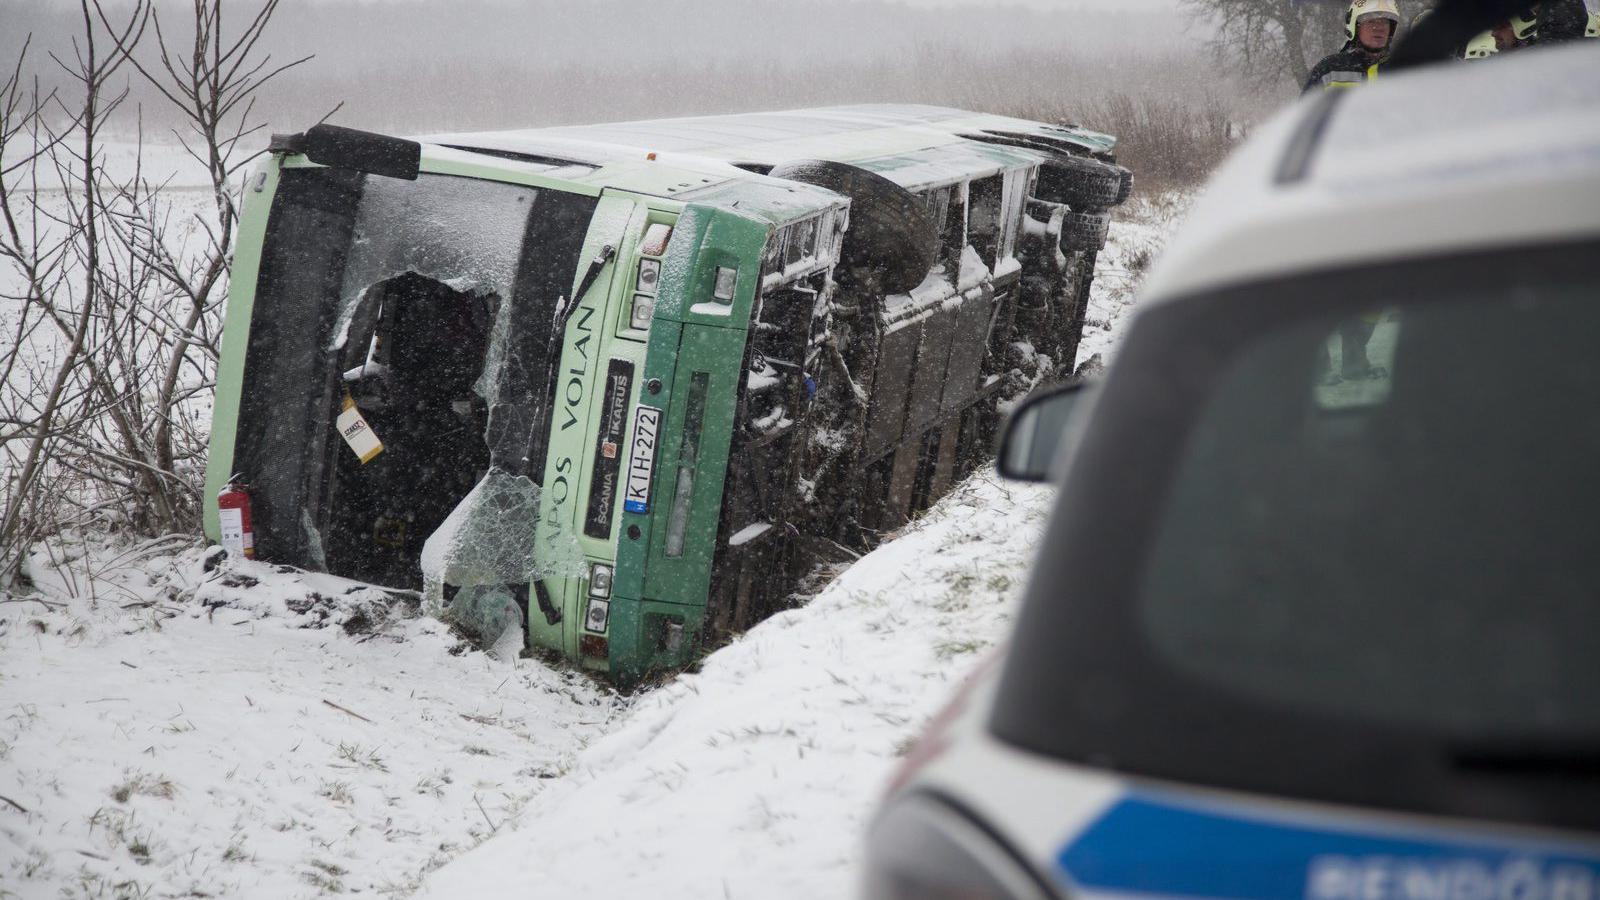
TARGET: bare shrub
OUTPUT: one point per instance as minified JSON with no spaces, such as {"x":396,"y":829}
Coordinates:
{"x":104,"y":407}
{"x":1168,"y":142}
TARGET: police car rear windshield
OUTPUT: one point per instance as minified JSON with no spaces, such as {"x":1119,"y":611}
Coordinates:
{"x":1339,"y":538}
{"x":1396,"y":516}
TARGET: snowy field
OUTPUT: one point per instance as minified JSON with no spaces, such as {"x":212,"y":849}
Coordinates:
{"x":172,"y":727}
{"x":187,"y":203}
{"x":169,"y":731}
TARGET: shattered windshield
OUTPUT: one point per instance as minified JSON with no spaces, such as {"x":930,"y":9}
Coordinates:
{"x":462,"y":232}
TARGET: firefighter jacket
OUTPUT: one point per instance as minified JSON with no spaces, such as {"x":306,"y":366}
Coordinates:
{"x":1351,"y":66}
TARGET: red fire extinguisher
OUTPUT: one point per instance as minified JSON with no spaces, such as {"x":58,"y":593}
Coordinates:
{"x":233,"y":514}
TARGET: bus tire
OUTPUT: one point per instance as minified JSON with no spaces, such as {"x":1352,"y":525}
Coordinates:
{"x":1084,"y":231}
{"x":1081,"y":183}
{"x":1126,"y":190}
{"x":890,"y":230}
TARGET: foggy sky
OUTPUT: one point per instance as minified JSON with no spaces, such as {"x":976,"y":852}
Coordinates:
{"x":412,"y":64}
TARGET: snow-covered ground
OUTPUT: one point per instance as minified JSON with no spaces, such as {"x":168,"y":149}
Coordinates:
{"x":169,"y":729}
{"x":249,"y":732}
{"x":1139,"y":230}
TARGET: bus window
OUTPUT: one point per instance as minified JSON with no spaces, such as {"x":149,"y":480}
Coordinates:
{"x":953,"y":233}
{"x":984,"y":219}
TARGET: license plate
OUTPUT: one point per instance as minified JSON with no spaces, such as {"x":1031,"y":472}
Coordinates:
{"x":642,"y":460}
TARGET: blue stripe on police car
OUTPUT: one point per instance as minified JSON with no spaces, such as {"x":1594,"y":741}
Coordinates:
{"x":1145,"y":844}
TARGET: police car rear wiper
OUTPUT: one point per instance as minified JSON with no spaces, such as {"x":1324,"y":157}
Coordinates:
{"x":1543,"y":757}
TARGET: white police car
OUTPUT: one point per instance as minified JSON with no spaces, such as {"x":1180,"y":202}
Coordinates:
{"x":1318,"y":613}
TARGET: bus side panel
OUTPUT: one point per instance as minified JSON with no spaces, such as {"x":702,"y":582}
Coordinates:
{"x":891,"y":386}
{"x":933,"y":362}
{"x":967,"y":350}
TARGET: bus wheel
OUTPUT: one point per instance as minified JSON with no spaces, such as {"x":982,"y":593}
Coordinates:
{"x":1126,"y":190}
{"x":890,"y":231}
{"x":1085,"y":232}
{"x":1082,"y":183}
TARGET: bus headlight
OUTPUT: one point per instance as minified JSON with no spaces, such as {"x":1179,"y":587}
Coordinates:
{"x":644,"y":308}
{"x":649,"y":275}
{"x":600,"y":580}
{"x":727,"y":278}
{"x":599,"y":608}
{"x":655,"y":239}
{"x":594,"y":619}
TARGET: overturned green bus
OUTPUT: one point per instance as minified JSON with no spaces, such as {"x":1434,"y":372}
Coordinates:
{"x":616,"y":383}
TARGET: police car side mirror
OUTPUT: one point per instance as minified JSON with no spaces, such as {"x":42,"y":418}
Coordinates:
{"x":1033,"y":435}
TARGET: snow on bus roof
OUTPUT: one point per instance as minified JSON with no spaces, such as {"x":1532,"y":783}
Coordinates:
{"x":913,"y":145}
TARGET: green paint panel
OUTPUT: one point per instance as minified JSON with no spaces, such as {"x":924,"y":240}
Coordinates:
{"x":684,"y":342}
{"x":660,"y":365}
{"x":651,"y":587}
{"x":729,"y":241}
{"x":713,"y":354}
{"x":585,"y":355}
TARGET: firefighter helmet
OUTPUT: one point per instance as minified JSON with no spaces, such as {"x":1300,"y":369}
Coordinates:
{"x":1362,"y":10}
{"x":1526,"y":25}
{"x":1480,"y":47}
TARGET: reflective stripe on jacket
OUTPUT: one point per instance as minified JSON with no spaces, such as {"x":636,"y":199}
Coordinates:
{"x":1350,"y":79}
{"x":1349,"y":67}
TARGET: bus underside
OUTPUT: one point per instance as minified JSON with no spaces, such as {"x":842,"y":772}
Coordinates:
{"x":861,"y":409}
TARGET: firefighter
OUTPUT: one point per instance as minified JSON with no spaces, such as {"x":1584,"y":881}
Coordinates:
{"x":1371,"y":26}
{"x":1550,"y":22}
{"x":1516,"y":32}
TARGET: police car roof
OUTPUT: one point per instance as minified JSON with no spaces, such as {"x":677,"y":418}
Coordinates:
{"x":1441,"y":159}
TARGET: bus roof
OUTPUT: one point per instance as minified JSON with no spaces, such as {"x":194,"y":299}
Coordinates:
{"x":860,"y":131}
{"x":915,"y":146}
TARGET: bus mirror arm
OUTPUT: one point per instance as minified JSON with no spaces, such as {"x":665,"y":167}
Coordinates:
{"x":348,"y":148}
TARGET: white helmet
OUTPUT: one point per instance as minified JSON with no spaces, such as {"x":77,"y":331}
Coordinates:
{"x":1526,"y":25}
{"x":1362,"y":10}
{"x":1481,"y":47}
